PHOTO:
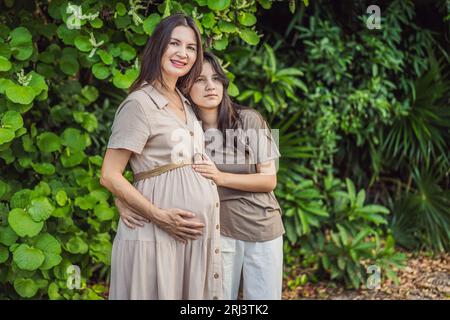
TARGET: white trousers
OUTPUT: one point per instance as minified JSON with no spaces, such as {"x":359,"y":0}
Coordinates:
{"x":261,"y":266}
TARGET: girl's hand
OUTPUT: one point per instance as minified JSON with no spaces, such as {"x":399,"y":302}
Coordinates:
{"x":208,"y":169}
{"x":129,"y":216}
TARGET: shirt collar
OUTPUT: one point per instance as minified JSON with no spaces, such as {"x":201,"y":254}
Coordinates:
{"x":158,"y":98}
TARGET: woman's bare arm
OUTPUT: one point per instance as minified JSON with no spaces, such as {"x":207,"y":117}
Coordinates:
{"x":112,"y":178}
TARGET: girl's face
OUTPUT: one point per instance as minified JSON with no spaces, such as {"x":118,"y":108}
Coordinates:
{"x":207,"y":90}
{"x":181,"y":52}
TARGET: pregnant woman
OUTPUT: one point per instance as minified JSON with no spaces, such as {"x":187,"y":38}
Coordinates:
{"x":175,"y":254}
{"x":245,"y":173}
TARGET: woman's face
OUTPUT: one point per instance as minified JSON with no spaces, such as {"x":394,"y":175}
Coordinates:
{"x":181,"y":52}
{"x":207,"y":90}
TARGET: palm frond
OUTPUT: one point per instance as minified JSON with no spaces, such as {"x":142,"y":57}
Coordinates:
{"x":421,"y":219}
{"x":420,"y":134}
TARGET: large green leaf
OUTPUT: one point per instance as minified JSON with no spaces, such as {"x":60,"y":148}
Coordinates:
{"x":127,"y":52}
{"x":100,"y":195}
{"x":21,"y":199}
{"x":86,"y":202}
{"x":124,"y":81}
{"x":41,"y":209}
{"x":121,"y":9}
{"x":20,"y":94}
{"x":100,"y":71}
{"x":51,"y":249}
{"x":49,"y":142}
{"x":38,"y":83}
{"x":8,"y":236}
{"x":22,"y":223}
{"x":227,"y":27}
{"x":73,"y":159}
{"x":5,"y":65}
{"x":86,"y":119}
{"x":90,"y":93}
{"x":66,"y":35}
{"x":4,"y":254}
{"x":76,"y":245}
{"x":12,"y":120}
{"x":103,"y":212}
{"x":106,"y":57}
{"x":73,"y":139}
{"x":247,"y":19}
{"x":83,"y":44}
{"x":61,"y":197}
{"x":249,"y":36}
{"x":69,"y":65}
{"x":21,"y":43}
{"x":53,"y":293}
{"x":5,"y":83}
{"x":218,"y":5}
{"x":208,"y":20}
{"x":151,"y":22}
{"x":26,"y":288}
{"x":44,"y":168}
{"x":220,"y":44}
{"x":100,"y":248}
{"x":4,"y":188}
{"x":6,"y":135}
{"x":28,"y":258}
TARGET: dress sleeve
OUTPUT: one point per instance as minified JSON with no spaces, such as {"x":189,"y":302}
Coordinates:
{"x":130,"y":129}
{"x":261,"y":141}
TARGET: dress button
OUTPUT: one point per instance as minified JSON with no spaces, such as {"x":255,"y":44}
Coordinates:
{"x":217,"y":251}
{"x":216,"y":276}
{"x":217,"y":204}
{"x":217,"y":227}
{"x":191,"y":133}
{"x":215,"y":298}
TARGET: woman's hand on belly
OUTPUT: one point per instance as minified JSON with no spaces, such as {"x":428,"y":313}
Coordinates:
{"x":175,"y":222}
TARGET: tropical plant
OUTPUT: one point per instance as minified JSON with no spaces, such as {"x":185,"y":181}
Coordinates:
{"x":335,"y":233}
{"x":420,"y":132}
{"x":421,"y":216}
{"x":274,"y":87}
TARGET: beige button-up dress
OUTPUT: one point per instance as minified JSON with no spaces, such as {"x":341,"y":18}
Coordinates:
{"x":148,"y":263}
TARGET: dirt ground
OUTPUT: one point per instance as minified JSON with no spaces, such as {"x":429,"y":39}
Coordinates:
{"x":425,"y":277}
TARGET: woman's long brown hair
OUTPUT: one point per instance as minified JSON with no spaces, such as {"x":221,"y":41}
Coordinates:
{"x":156,"y":46}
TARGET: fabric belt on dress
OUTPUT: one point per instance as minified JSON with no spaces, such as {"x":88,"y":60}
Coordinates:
{"x":159,"y":170}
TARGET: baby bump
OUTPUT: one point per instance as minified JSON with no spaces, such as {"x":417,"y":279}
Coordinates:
{"x":184,"y":189}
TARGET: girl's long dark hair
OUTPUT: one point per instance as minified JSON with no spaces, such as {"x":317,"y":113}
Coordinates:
{"x":156,"y":46}
{"x":229,"y":112}
{"x":228,"y":117}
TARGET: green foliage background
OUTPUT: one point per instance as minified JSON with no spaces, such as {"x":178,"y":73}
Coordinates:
{"x":363,"y":115}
